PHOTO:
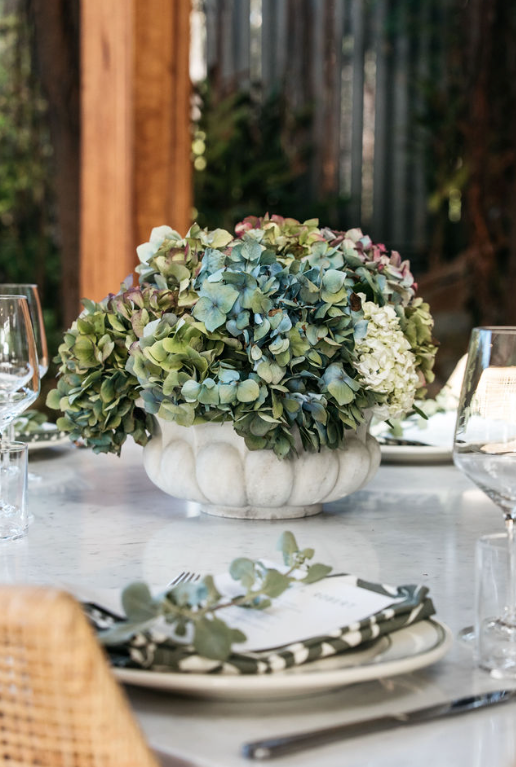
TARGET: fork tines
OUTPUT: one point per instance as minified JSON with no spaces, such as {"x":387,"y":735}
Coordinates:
{"x":184,"y":577}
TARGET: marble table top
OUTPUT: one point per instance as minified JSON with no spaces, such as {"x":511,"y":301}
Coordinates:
{"x":100,"y":522}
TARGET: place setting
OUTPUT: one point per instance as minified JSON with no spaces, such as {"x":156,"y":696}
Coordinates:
{"x":266,"y":647}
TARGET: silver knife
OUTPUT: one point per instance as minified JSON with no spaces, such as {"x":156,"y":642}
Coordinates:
{"x":288,"y":744}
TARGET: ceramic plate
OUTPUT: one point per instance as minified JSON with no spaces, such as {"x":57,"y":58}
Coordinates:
{"x":437,"y":434}
{"x":406,"y":650}
{"x":47,"y":436}
{"x":416,"y":454}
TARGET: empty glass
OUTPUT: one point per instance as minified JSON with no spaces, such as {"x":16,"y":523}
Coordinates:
{"x":19,"y":388}
{"x":494,"y":644}
{"x":485,"y":440}
{"x":13,"y":484}
{"x":19,"y":370}
{"x":30,"y":291}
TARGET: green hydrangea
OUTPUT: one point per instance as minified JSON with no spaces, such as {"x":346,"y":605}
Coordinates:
{"x":262,"y":328}
{"x":95,"y":390}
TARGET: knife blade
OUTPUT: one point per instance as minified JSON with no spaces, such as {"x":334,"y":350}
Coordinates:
{"x":270,"y":748}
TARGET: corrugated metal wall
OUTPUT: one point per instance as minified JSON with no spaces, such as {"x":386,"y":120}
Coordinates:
{"x":361,"y":67}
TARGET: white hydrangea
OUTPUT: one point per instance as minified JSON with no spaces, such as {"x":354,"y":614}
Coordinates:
{"x":385,"y":362}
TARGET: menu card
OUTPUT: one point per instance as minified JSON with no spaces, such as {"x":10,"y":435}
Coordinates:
{"x":302,"y":611}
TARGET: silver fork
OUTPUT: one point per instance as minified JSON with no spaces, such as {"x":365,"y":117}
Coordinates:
{"x":184,"y":577}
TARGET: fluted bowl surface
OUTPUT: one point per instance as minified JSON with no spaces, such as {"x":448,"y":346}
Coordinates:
{"x":210,"y":464}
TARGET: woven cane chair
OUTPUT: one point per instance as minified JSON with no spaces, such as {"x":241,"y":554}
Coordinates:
{"x":59,"y":704}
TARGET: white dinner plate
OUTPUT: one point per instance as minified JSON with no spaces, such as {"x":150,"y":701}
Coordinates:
{"x":47,"y":436}
{"x":416,"y":454}
{"x":406,"y":650}
{"x":437,"y":433}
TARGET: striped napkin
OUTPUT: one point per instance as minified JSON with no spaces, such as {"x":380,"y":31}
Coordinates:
{"x":154,"y":650}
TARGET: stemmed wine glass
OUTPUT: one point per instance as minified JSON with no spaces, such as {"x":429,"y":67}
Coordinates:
{"x":485,"y":450}
{"x":30,"y":291}
{"x":19,"y":371}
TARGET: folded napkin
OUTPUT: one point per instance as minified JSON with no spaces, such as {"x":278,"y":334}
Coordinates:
{"x":154,"y":650}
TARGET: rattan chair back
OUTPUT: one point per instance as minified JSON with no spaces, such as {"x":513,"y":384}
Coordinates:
{"x":60,"y":705}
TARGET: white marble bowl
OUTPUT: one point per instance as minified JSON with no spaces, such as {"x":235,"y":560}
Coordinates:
{"x":210,"y":464}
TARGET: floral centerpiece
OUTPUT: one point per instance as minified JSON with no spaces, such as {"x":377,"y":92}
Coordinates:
{"x":291,"y":333}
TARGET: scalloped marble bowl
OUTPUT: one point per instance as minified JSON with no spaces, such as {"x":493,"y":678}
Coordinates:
{"x":210,"y":464}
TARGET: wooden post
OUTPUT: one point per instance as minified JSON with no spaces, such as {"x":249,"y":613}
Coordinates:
{"x":135,"y":156}
{"x":162,"y":166}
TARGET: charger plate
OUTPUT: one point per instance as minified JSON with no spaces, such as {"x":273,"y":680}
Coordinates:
{"x":408,"y":649}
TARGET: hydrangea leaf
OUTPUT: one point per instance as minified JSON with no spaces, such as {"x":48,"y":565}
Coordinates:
{"x":248,"y":391}
{"x":206,"y":311}
{"x":341,"y":391}
{"x":190,"y":391}
{"x":227,"y":393}
{"x":270,"y":372}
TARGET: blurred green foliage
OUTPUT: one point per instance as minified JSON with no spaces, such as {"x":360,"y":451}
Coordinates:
{"x":29,"y":249}
{"x":253,"y":156}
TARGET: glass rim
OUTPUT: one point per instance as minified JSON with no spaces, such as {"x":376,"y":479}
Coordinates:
{"x":497,"y":328}
{"x":14,"y":447}
{"x":13,"y":295}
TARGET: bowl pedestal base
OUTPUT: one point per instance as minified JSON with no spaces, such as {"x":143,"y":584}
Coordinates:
{"x":261,"y":512}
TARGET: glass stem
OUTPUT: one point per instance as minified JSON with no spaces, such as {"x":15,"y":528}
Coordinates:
{"x":511,"y":586}
{"x":4,"y":441}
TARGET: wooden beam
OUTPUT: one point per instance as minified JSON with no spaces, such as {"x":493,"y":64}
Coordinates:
{"x":135,"y":108}
{"x":163,"y":177}
{"x":106,"y":146}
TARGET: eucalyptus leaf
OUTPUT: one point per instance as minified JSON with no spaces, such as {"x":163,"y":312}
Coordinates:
{"x":243,"y":570}
{"x":287,"y":544}
{"x":275,"y":583}
{"x":213,"y":639}
{"x":316,"y":573}
{"x":138,"y":603}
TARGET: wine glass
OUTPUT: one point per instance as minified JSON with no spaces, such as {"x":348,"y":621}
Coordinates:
{"x":30,"y":291}
{"x":19,"y":370}
{"x":485,"y":450}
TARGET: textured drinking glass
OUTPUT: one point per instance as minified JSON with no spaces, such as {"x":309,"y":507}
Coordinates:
{"x":13,"y":481}
{"x":485,"y":437}
{"x":495,"y":640}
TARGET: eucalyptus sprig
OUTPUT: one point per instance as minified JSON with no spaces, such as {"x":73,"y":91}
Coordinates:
{"x":192,"y":609}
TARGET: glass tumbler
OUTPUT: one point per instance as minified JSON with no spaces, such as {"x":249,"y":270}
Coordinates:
{"x":13,"y":483}
{"x":495,"y":641}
